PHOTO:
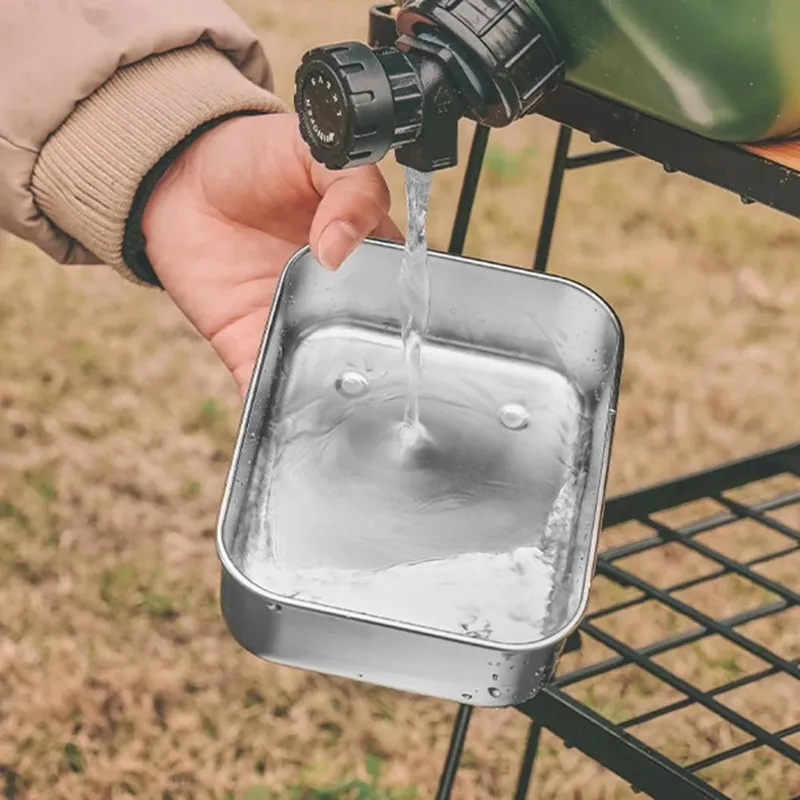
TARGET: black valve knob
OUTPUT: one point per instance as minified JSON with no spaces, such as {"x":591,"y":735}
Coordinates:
{"x":355,"y":103}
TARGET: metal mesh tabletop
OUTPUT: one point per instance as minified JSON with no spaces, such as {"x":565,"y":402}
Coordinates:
{"x":680,"y":633}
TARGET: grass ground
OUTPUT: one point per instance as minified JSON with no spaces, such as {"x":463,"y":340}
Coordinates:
{"x":117,"y":677}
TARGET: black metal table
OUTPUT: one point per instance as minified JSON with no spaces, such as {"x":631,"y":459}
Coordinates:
{"x":614,"y":743}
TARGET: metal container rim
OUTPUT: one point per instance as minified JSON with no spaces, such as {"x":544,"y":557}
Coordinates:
{"x":553,"y":639}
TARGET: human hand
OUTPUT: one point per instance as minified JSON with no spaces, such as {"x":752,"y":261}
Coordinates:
{"x":232,"y":209}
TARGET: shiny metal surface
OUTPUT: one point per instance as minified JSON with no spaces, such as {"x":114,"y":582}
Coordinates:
{"x":506,"y":329}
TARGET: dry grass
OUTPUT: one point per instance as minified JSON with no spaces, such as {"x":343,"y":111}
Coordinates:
{"x":117,"y":677}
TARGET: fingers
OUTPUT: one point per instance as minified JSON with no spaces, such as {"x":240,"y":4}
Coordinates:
{"x":355,"y":204}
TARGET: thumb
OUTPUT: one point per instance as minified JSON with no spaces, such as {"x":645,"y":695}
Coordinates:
{"x":355,"y":203}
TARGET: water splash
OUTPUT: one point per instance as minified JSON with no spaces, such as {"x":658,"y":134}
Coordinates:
{"x":352,"y":384}
{"x":514,"y":416}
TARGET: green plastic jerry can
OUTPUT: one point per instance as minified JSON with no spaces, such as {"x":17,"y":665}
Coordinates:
{"x":726,"y":69}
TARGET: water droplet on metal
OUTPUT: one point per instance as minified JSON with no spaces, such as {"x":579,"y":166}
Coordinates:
{"x":514,"y":416}
{"x":352,"y":384}
{"x":494,"y":692}
{"x":466,"y":696}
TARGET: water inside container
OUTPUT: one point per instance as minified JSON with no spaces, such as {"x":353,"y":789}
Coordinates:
{"x":453,"y":534}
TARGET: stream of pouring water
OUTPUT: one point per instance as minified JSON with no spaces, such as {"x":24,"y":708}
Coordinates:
{"x":414,"y":286}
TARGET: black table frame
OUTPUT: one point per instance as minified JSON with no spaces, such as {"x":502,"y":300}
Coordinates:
{"x":612,"y":744}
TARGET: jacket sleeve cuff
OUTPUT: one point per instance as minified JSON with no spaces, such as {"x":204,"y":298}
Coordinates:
{"x":90,"y":170}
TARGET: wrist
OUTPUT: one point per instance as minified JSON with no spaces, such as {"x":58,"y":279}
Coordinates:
{"x":100,"y":166}
{"x":152,"y":200}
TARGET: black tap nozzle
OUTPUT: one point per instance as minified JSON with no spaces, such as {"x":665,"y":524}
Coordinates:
{"x":427,"y":66}
{"x":356,"y":103}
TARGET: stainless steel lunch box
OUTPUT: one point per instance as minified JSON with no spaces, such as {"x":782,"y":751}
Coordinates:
{"x":504,"y":313}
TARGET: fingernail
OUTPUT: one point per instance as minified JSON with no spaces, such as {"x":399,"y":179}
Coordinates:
{"x":337,"y":241}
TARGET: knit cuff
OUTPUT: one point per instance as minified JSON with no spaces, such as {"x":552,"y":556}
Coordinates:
{"x":90,"y":170}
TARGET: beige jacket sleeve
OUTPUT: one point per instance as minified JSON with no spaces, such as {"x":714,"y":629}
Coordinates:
{"x":93,"y":94}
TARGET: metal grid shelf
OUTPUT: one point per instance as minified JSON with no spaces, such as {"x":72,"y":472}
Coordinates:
{"x":754,"y":503}
{"x":688,"y":524}
{"x":664,"y":560}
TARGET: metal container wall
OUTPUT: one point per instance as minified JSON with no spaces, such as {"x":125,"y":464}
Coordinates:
{"x":515,"y":316}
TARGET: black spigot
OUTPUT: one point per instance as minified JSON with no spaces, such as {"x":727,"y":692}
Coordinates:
{"x":433,"y":63}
